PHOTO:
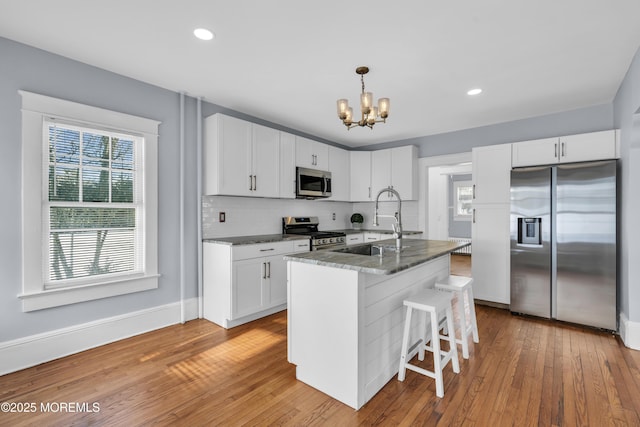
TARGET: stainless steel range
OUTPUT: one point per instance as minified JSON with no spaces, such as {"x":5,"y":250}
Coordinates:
{"x":308,"y":226}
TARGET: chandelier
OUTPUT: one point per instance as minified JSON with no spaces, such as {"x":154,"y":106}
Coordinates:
{"x":369,"y":112}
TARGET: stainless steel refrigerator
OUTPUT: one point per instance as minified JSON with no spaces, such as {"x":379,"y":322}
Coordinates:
{"x":564,"y":243}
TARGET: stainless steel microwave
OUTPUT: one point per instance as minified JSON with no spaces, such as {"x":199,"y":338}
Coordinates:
{"x":312,"y":183}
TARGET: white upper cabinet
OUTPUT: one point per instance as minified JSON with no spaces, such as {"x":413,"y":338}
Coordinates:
{"x":227,"y":153}
{"x":287,"y":166}
{"x":404,"y":171}
{"x":241,"y":158}
{"x":340,"y":169}
{"x":312,"y":154}
{"x":265,"y":160}
{"x":360,"y":162}
{"x":536,"y":152}
{"x":380,"y":171}
{"x":566,"y":149}
{"x":589,"y":146}
{"x":491,"y":174}
{"x":396,"y":168}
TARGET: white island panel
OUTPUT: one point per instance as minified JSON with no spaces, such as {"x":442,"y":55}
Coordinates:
{"x":323,"y":321}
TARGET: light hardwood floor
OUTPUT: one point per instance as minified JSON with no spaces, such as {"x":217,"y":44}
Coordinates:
{"x":524,"y":371}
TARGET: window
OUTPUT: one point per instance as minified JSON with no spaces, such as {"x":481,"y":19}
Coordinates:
{"x":89,"y":202}
{"x":462,"y":200}
{"x":91,"y":207}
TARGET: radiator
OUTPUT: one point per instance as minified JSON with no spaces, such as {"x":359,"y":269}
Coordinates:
{"x":466,"y":250}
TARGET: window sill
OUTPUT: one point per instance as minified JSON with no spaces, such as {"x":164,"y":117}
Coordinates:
{"x":64,"y":296}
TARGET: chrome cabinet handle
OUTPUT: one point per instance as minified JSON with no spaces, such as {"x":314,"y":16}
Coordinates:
{"x":264,"y":270}
{"x":474,"y":216}
{"x":250,"y":182}
{"x":563,"y":154}
{"x":473,"y":192}
{"x":555,"y":150}
{"x":255,"y":182}
{"x":269,"y":268}
{"x":267,"y":250}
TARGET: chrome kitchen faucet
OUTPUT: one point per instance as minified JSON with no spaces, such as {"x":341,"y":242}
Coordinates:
{"x":397,"y":227}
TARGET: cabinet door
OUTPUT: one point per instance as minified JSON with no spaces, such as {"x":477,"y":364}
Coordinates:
{"x":340,"y":173}
{"x":380,"y":172}
{"x":404,"y":171}
{"x":588,"y":146}
{"x":304,"y":152}
{"x":360,"y":162}
{"x":311,"y":154}
{"x":276,"y":281}
{"x":321,"y":152}
{"x":228,"y":156}
{"x":538,"y":152}
{"x":287,"y":184}
{"x":266,"y":161}
{"x":492,"y":174}
{"x":247,"y":295}
{"x":490,"y":263}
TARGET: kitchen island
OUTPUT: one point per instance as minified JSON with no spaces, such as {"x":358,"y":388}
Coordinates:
{"x":345,"y":312}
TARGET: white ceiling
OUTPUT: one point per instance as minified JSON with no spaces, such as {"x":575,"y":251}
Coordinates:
{"x":288,"y":61}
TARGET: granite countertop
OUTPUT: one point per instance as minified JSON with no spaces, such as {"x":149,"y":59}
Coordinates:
{"x":415,"y":252}
{"x":252,"y":240}
{"x":271,"y":238}
{"x":374,"y":230}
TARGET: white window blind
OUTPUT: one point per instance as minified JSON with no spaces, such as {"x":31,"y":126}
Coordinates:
{"x":92,"y":204}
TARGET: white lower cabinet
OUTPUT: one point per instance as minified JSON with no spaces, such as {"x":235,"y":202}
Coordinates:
{"x":490,"y":263}
{"x":243,"y":283}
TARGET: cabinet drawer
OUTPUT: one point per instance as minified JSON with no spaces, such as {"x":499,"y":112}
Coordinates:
{"x":301,"y":245}
{"x":261,"y":250}
{"x":354,"y":239}
{"x":371,"y":237}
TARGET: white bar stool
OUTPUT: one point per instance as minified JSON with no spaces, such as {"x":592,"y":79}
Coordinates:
{"x":435,"y":304}
{"x":468,"y":325}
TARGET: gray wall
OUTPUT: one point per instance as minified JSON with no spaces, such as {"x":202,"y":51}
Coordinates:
{"x":627,"y":118}
{"x":41,"y":72}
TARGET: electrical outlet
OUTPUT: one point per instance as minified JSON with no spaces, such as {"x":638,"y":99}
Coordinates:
{"x":333,"y":216}
{"x":222,"y":217}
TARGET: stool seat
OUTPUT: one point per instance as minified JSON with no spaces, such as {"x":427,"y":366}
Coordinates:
{"x":461,"y":285}
{"x":428,"y":300}
{"x":434,"y":304}
{"x":454,"y":283}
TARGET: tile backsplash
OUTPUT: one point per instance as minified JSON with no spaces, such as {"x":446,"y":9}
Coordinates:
{"x":245,"y":216}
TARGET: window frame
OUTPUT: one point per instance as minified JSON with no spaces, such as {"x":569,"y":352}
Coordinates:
{"x":36,"y":110}
{"x":456,"y":200}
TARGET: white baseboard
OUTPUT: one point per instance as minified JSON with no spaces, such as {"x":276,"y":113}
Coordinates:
{"x":36,"y":349}
{"x":629,"y":332}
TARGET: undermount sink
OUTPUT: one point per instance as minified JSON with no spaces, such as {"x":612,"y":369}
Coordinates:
{"x":368,"y":250}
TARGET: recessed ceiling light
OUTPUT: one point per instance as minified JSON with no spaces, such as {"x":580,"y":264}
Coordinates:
{"x":474,"y":91}
{"x":203,"y":34}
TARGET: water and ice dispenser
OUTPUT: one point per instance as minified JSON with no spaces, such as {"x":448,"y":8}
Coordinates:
{"x":529,"y":231}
